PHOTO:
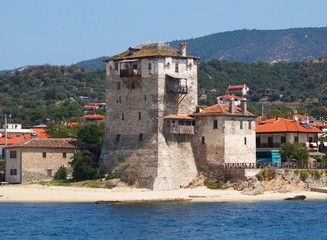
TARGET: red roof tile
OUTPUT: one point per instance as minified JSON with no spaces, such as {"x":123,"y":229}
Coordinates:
{"x":284,"y":125}
{"x":185,"y":117}
{"x":94,"y":116}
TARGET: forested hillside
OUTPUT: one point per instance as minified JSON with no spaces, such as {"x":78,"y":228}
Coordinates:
{"x":42,"y":94}
{"x":288,"y":82}
{"x":46,"y":93}
{"x":297,"y":44}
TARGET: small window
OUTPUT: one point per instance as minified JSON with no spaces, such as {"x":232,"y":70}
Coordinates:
{"x":244,"y":140}
{"x":215,"y":124}
{"x":310,"y":139}
{"x":140,"y":116}
{"x":250,"y":124}
{"x":149,"y":66}
{"x":13,"y":154}
{"x":283,"y":139}
{"x":13,"y":172}
{"x":116,"y":66}
{"x":64,"y":155}
{"x":241,"y":124}
{"x":118,"y":137}
{"x":296,"y":139}
{"x":44,"y":154}
{"x":144,"y":97}
{"x":122,"y":116}
{"x":49,"y":172}
{"x":176,"y":67}
{"x":118,"y":85}
{"x":141,"y":137}
{"x":203,"y":140}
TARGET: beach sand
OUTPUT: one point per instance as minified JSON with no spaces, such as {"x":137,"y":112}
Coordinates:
{"x":39,"y":193}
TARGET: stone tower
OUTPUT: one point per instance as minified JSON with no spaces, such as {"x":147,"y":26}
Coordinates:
{"x":148,"y":86}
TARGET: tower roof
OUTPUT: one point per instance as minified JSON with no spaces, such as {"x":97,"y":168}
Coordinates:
{"x":157,"y":49}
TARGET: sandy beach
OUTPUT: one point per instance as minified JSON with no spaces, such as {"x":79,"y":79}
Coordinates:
{"x":39,"y":193}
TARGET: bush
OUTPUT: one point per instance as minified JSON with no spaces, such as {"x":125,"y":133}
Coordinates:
{"x":304,"y":175}
{"x":129,"y":176}
{"x":212,"y":183}
{"x":61,"y":174}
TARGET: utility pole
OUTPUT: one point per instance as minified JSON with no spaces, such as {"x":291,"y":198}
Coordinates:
{"x":5,"y":129}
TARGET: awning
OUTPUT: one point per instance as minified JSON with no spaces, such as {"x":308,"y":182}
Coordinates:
{"x":317,"y":154}
{"x":177,"y":75}
{"x":129,"y":60}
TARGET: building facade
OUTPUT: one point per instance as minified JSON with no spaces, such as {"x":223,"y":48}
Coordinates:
{"x":150,"y":120}
{"x":38,"y":159}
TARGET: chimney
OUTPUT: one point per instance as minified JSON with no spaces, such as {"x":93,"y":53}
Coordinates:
{"x":218,"y":100}
{"x":231,"y":105}
{"x":183,"y":49}
{"x":244,"y":106}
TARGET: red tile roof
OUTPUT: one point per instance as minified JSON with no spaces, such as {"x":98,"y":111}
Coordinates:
{"x":93,"y":107}
{"x":220,"y":108}
{"x":236,"y":86}
{"x":150,"y":50}
{"x":229,"y":96}
{"x":284,"y":125}
{"x":182,"y":117}
{"x":14,"y":140}
{"x":94,"y":116}
{"x":63,"y":143}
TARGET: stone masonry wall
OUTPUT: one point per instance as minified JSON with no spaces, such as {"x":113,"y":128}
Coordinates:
{"x":34,"y":166}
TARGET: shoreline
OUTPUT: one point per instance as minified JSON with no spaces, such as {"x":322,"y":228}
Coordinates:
{"x":127,"y":195}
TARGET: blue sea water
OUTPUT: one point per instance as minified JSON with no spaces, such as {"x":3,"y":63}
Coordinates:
{"x":262,"y":220}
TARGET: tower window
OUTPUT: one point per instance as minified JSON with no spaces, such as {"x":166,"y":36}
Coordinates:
{"x":144,"y":97}
{"x":117,"y":137}
{"x":141,"y":137}
{"x":203,"y":140}
{"x":122,"y":116}
{"x":140,"y":116}
{"x":241,"y":124}
{"x":44,"y":154}
{"x":149,"y":66}
{"x":244,"y":140}
{"x":250,"y":124}
{"x":176,"y":67}
{"x":215,"y":124}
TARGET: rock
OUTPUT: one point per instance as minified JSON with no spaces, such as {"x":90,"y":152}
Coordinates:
{"x":255,"y":191}
{"x":296,"y":198}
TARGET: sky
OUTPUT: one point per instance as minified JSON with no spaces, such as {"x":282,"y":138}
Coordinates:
{"x":64,"y":32}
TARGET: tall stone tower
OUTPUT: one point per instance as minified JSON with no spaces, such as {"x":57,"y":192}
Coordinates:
{"x":148,"y":86}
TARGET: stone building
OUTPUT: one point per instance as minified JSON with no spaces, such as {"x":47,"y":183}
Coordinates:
{"x":39,"y":159}
{"x":152,"y":124}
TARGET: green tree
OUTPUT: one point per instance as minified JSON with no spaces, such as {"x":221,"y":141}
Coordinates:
{"x":91,"y":133}
{"x":83,"y":166}
{"x":61,"y":174}
{"x":294,"y":151}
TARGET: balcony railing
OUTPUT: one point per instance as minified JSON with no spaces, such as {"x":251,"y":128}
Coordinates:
{"x":177,"y":89}
{"x":180,"y":129}
{"x":130,"y":73}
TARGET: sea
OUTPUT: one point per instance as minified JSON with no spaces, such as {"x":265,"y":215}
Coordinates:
{"x":260,"y":220}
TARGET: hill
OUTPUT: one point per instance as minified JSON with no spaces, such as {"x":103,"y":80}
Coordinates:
{"x":297,"y":44}
{"x":38,"y":94}
{"x":292,"y":45}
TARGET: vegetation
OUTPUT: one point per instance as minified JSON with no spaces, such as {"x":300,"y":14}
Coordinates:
{"x":44,"y":94}
{"x":85,"y":167}
{"x":212,"y":183}
{"x":259,"y":45}
{"x":295,"y":152}
{"x":61,"y":174}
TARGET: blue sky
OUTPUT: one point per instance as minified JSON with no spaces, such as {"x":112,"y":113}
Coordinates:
{"x":63,"y":32}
